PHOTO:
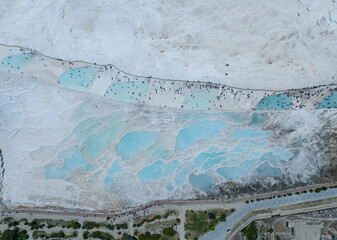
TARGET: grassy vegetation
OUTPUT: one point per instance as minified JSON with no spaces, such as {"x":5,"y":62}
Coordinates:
{"x":15,"y":234}
{"x":149,"y":236}
{"x":74,"y":225}
{"x":91,"y":225}
{"x":250,"y":231}
{"x":169,"y":232}
{"x":317,"y":190}
{"x":39,"y":234}
{"x":149,"y":219}
{"x":128,"y":237}
{"x":197,"y":223}
{"x":99,"y":235}
{"x":36,"y":224}
{"x":122,"y":226}
{"x":53,"y":235}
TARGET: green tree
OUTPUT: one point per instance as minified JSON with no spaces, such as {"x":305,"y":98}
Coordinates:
{"x":60,"y":234}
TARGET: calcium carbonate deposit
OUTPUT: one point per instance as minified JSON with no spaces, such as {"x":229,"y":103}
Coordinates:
{"x":168,"y":99}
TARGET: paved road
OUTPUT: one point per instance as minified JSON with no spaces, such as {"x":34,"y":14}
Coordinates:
{"x":220,"y":232}
{"x":74,"y":212}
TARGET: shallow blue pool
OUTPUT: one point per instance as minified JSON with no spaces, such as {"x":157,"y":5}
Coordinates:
{"x":240,"y":133}
{"x":79,"y":78}
{"x":170,"y":168}
{"x":70,"y":164}
{"x":206,"y":129}
{"x":203,"y":182}
{"x":275,"y":102}
{"x":256,"y":120}
{"x":95,"y":144}
{"x":329,"y":101}
{"x":203,"y":157}
{"x":115,"y":167}
{"x":180,"y":177}
{"x":128,"y":91}
{"x":236,"y":172}
{"x":108,"y":180}
{"x":152,"y":172}
{"x":15,"y":63}
{"x":201,"y":100}
{"x":134,"y":142}
{"x":265,"y":170}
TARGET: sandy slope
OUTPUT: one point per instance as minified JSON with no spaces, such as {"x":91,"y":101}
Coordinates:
{"x":267,"y":44}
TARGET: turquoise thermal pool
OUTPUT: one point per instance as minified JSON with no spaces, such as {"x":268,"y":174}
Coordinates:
{"x":80,"y":78}
{"x":204,"y":151}
{"x":329,"y":101}
{"x":275,"y":102}
{"x":110,"y":82}
{"x":15,"y":63}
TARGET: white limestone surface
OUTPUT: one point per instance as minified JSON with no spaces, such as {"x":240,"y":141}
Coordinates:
{"x":66,"y":148}
{"x":267,"y":44}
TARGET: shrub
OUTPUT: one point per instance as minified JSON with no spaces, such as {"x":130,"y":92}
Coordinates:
{"x":250,"y":231}
{"x":169,"y":232}
{"x":90,"y":225}
{"x":121,"y":226}
{"x":148,"y":236}
{"x":212,"y":228}
{"x":85,"y":235}
{"x":211,"y":216}
{"x":74,"y":225}
{"x":223,"y":218}
{"x":128,"y":237}
{"x":60,"y":234}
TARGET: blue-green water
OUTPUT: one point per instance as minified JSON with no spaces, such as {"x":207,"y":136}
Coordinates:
{"x":236,"y":172}
{"x":203,"y":182}
{"x":15,"y":63}
{"x":134,"y":142}
{"x":180,"y":177}
{"x":203,"y":157}
{"x":265,"y":170}
{"x":210,"y":163}
{"x":115,"y":167}
{"x":108,"y":180}
{"x":79,"y":78}
{"x":329,"y":102}
{"x":206,"y":129}
{"x":70,"y":164}
{"x":95,"y":144}
{"x":256,"y":120}
{"x":127,"y":91}
{"x":240,"y":133}
{"x":152,"y":172}
{"x":170,"y":168}
{"x":201,"y":100}
{"x":275,"y":102}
